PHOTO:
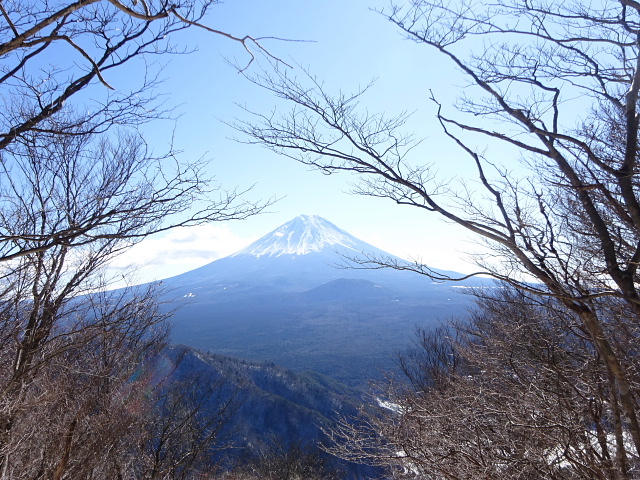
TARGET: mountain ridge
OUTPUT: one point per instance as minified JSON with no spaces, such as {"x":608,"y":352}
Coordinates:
{"x":269,"y":402}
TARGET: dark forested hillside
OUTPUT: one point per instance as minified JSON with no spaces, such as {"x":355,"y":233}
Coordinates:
{"x":270,"y":404}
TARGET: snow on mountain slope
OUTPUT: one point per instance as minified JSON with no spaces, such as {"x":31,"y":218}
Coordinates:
{"x":304,"y":234}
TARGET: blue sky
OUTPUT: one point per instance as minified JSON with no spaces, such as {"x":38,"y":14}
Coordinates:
{"x":348,"y":45}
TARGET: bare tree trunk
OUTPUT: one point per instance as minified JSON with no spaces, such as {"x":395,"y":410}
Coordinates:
{"x":66,"y":451}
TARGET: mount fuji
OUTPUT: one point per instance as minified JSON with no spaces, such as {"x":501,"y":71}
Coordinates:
{"x":287,"y":298}
{"x":303,"y":253}
{"x":302,"y":235}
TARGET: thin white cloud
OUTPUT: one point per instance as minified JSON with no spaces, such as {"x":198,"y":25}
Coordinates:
{"x":178,"y":251}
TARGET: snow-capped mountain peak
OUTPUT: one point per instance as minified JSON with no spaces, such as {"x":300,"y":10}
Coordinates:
{"x":304,"y":234}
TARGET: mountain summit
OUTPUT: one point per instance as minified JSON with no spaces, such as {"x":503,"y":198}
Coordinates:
{"x":304,"y":234}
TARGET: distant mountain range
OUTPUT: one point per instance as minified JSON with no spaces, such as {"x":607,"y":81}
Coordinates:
{"x":285,"y":299}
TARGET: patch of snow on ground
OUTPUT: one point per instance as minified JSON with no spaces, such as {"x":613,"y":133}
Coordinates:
{"x":394,"y":407}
